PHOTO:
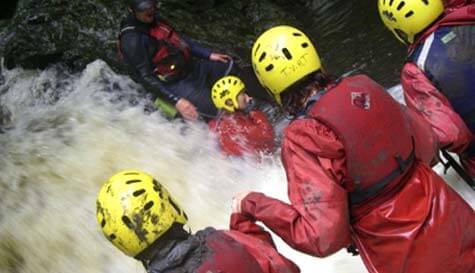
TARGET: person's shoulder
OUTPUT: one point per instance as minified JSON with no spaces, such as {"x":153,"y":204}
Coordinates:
{"x":205,"y":233}
{"x":127,"y":20}
{"x":128,"y":30}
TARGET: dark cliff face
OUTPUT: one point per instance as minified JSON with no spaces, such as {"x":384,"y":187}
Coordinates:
{"x":7,"y":9}
{"x":49,"y":31}
{"x":77,"y":32}
{"x":348,"y":33}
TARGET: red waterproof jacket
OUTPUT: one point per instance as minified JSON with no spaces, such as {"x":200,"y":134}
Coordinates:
{"x":240,"y":133}
{"x":260,"y":245}
{"x":422,"y":226}
{"x":249,"y":250}
{"x":422,"y":96}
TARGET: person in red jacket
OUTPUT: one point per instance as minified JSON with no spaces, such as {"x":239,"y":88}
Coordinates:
{"x":239,"y":130}
{"x":139,"y":216}
{"x":357,"y":170}
{"x":438,"y":77}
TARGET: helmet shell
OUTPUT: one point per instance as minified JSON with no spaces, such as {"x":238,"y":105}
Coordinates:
{"x":227,"y":88}
{"x":141,"y":5}
{"x":407,"y":18}
{"x":134,"y":210}
{"x":281,"y":56}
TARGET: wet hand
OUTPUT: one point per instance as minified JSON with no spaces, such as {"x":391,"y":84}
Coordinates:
{"x":187,"y":109}
{"x":220,"y":57}
{"x":237,"y":199}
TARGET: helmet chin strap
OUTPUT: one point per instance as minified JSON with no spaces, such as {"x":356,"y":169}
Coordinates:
{"x":250,"y":106}
{"x":187,"y":228}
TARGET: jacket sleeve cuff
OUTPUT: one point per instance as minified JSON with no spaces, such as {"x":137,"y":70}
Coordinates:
{"x":249,"y":204}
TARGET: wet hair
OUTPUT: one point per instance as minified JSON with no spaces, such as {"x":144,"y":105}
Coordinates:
{"x":294,"y":98}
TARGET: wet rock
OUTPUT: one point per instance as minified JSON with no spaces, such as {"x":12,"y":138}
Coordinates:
{"x":76,"y":32}
{"x":349,"y":34}
{"x":8,"y":9}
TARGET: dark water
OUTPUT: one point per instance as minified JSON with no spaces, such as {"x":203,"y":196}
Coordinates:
{"x":350,"y":35}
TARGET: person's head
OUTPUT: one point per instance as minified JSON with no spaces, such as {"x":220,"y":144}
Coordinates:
{"x":407,"y":18}
{"x":134,"y":210}
{"x":287,"y":65}
{"x":229,"y":94}
{"x":143,"y":10}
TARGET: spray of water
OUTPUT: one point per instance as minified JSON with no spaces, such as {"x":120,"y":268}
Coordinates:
{"x":69,"y":133}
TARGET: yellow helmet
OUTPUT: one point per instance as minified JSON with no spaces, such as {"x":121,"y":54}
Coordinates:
{"x":406,"y":18}
{"x":134,"y":210}
{"x":227,"y":88}
{"x":282,"y":56}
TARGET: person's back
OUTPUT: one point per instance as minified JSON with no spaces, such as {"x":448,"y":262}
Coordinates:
{"x":356,"y":162}
{"x":208,"y":250}
{"x":244,"y":133}
{"x":410,"y":199}
{"x":211,"y":250}
{"x":239,"y":131}
{"x":137,"y":214}
{"x":438,"y":77}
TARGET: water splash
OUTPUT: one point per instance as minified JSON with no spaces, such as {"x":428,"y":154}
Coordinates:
{"x":69,"y":133}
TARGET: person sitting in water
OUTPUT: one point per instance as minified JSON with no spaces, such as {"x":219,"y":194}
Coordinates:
{"x":174,"y":68}
{"x":139,"y":216}
{"x":240,"y":130}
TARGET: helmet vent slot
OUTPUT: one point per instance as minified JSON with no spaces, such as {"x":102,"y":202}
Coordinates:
{"x":297,"y":34}
{"x":157,"y":187}
{"x":261,"y":58}
{"x":304,"y":45}
{"x":148,"y":205}
{"x":127,"y":222}
{"x":138,"y":192}
{"x":391,"y":2}
{"x":257,"y":49}
{"x":133,"y":181}
{"x":269,"y":67}
{"x":426,"y":2}
{"x":175,"y":206}
{"x":409,"y":14}
{"x":401,"y":5}
{"x":235,"y":82}
{"x":103,"y":222}
{"x":287,"y":53}
{"x":112,"y":236}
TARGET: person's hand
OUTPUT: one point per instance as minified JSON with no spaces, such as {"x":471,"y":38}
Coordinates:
{"x":186,"y":109}
{"x":237,"y":199}
{"x":220,"y":57}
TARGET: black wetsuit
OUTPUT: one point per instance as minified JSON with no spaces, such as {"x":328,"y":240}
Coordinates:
{"x":138,"y":49}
